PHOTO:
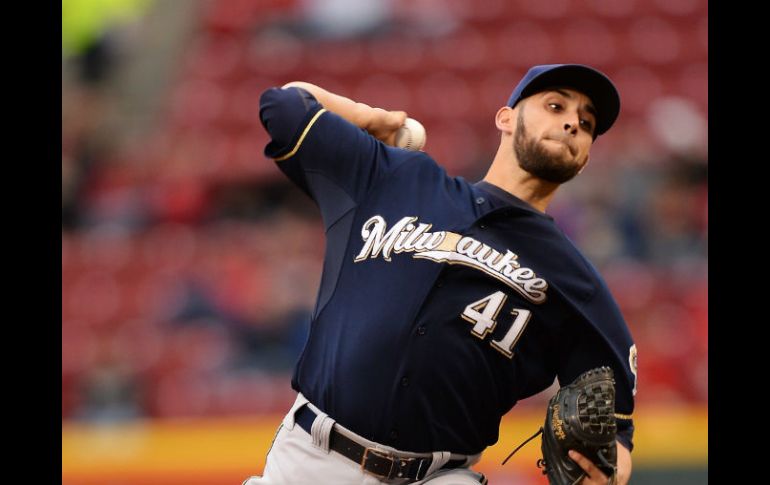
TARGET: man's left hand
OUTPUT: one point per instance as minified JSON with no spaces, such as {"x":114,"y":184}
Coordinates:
{"x":594,"y":476}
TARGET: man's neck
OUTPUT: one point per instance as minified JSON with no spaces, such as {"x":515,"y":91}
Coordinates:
{"x":506,"y":174}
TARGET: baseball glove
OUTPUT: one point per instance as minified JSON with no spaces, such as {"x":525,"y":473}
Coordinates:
{"x":580,"y":417}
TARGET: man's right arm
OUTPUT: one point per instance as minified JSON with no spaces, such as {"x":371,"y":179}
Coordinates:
{"x":327,"y":144}
{"x":380,"y":123}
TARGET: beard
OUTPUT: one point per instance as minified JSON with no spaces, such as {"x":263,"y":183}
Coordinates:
{"x":535,"y":159}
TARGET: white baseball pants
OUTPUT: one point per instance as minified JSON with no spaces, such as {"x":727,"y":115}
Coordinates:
{"x":297,"y":458}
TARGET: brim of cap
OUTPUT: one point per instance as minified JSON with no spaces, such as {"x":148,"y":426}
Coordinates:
{"x":587,"y":80}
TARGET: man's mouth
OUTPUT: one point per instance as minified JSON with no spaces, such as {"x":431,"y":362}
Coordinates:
{"x":564,"y":141}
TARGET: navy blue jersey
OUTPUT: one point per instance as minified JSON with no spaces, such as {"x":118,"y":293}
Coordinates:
{"x":442,"y":303}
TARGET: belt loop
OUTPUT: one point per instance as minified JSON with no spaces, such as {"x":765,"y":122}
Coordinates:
{"x":288,"y":420}
{"x":440,"y":458}
{"x":321,"y":430}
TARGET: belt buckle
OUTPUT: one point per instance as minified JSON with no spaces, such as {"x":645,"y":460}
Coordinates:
{"x":380,"y":454}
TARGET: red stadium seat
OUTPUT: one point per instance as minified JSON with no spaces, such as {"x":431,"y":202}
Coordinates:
{"x":524,"y":44}
{"x":384,"y":91}
{"x":681,"y":7}
{"x":445,"y":94}
{"x":694,"y":83}
{"x":616,"y":10}
{"x":545,"y":9}
{"x":638,"y":87}
{"x":78,"y":350}
{"x":167,"y":247}
{"x":94,"y":298}
{"x":274,"y":55}
{"x":110,"y":249}
{"x":654,"y":40}
{"x":68,"y":260}
{"x":240,"y":15}
{"x":396,"y":54}
{"x":702,"y":34}
{"x":336,"y":57}
{"x":214,"y":56}
{"x":466,"y":49}
{"x":182,"y":394}
{"x":197,"y":102}
{"x":242,"y":105}
{"x":492,"y":10}
{"x":456,"y":144}
{"x":248,"y":155}
{"x":587,"y":41}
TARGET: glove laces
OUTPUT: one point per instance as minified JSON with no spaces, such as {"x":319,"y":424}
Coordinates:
{"x":527,"y":441}
{"x":542,"y":464}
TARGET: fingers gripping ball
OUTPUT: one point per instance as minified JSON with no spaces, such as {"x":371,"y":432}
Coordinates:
{"x":581,"y":417}
{"x":411,"y":135}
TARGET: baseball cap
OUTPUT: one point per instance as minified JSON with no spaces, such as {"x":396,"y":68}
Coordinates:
{"x":587,"y":80}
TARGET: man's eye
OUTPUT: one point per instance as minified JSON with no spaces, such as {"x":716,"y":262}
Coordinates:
{"x":555,"y":106}
{"x":586,"y":124}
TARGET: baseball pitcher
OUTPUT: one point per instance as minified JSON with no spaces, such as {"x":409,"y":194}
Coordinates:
{"x":444,"y":302}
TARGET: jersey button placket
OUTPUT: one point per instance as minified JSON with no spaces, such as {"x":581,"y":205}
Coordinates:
{"x":421,"y":330}
{"x":404,"y":381}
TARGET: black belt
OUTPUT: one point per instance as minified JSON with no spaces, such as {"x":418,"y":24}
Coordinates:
{"x":374,"y":461}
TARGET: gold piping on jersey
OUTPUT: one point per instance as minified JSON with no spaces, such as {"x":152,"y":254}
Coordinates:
{"x":623,"y":416}
{"x":302,"y":137}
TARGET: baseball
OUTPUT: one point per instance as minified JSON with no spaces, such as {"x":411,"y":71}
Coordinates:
{"x":411,"y":135}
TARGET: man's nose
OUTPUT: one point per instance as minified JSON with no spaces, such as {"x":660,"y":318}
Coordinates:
{"x":571,"y":128}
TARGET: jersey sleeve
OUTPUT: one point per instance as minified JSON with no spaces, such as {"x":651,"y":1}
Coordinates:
{"x":333,"y":161}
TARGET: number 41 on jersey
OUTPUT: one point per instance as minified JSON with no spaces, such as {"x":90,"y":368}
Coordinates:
{"x":483,"y":315}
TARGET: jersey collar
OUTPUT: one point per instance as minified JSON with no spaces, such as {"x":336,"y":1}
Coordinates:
{"x":505,"y":197}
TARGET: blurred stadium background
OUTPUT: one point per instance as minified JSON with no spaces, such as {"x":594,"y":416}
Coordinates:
{"x":189,"y":265}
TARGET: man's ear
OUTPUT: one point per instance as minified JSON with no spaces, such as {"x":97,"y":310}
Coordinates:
{"x":505,"y":119}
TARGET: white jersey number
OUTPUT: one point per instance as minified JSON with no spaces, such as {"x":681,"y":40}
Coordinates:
{"x":483,"y":315}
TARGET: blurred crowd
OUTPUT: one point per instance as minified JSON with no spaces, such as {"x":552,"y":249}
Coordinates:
{"x":190,"y":266}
